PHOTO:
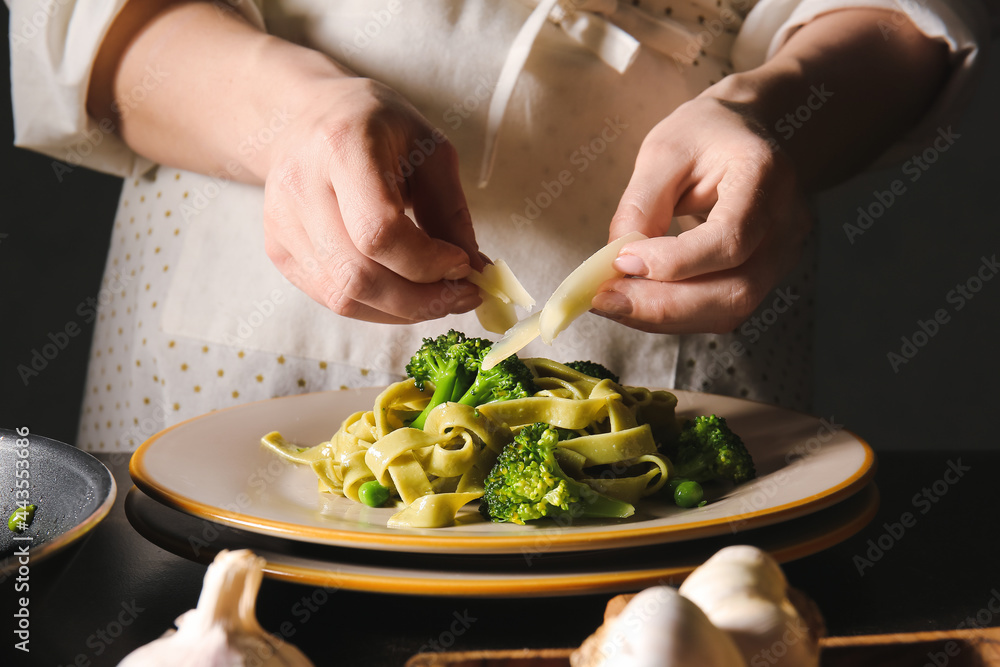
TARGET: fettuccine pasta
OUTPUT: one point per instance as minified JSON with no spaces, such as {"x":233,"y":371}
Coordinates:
{"x":432,"y":473}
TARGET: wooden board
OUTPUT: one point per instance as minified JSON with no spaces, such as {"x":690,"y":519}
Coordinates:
{"x":958,"y":648}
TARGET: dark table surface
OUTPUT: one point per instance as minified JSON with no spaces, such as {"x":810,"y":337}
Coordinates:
{"x":930,"y":560}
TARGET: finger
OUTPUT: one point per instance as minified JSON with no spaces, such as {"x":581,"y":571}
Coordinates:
{"x":332,"y":271}
{"x":438,"y":200}
{"x":303,"y":275}
{"x":373,"y":213}
{"x":348,"y":277}
{"x":364,"y":290}
{"x":717,"y":302}
{"x":657,"y":182}
{"x":730,"y":235}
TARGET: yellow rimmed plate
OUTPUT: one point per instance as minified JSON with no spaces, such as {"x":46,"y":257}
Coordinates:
{"x":524,"y":575}
{"x":214,"y":467}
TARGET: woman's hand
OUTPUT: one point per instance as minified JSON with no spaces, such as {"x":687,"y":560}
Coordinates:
{"x":716,"y":158}
{"x":713,"y":161}
{"x":336,"y":188}
{"x":346,"y":159}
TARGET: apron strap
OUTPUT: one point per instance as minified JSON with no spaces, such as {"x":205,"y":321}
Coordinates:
{"x":613,"y":31}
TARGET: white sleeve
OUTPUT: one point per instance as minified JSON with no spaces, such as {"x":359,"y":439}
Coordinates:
{"x":53,"y":45}
{"x":961,"y":24}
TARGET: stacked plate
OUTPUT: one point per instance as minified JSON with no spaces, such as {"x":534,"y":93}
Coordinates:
{"x":207,"y":484}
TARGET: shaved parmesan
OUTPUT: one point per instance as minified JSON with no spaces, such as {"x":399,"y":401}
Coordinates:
{"x":494,"y":314}
{"x":572,"y":298}
{"x":487,"y":282}
{"x":513,"y":341}
{"x":498,"y":280}
{"x":511,"y":286}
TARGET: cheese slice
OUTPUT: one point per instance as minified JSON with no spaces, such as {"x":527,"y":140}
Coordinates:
{"x":497,"y":279}
{"x":513,"y":341}
{"x":573,"y":296}
{"x":511,"y":286}
{"x":495,"y":315}
{"x":570,"y":300}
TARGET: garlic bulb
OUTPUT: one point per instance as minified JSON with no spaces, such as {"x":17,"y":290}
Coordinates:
{"x":743,"y":591}
{"x":222,"y":631}
{"x":658,"y":628}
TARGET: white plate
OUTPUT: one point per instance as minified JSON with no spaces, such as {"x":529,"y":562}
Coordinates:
{"x":489,"y":575}
{"x":214,"y":467}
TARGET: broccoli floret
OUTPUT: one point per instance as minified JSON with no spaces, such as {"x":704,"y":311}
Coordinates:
{"x":594,"y":370}
{"x":443,"y":361}
{"x":707,"y":450}
{"x":527,"y":483}
{"x":453,"y":363}
{"x":509,"y":379}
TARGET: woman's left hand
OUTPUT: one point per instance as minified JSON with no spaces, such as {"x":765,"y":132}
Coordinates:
{"x":714,"y":161}
{"x":715,"y":158}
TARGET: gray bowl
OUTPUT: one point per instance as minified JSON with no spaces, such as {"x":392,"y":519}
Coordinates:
{"x":73,"y":492}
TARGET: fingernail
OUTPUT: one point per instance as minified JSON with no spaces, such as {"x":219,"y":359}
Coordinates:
{"x":630,"y":265}
{"x":458,"y":272}
{"x":612,"y":303}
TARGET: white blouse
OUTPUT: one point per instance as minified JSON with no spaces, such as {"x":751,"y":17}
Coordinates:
{"x":192,"y":317}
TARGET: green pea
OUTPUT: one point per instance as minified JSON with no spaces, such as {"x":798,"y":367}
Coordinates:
{"x":21,"y":518}
{"x":689,"y":494}
{"x":373,"y":494}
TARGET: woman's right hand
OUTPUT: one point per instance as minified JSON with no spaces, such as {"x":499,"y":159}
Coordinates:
{"x":339,"y":179}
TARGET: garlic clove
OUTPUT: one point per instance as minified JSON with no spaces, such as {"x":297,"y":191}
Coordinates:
{"x":743,"y":591}
{"x":658,"y":628}
{"x":223,"y":629}
{"x":732,"y":571}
